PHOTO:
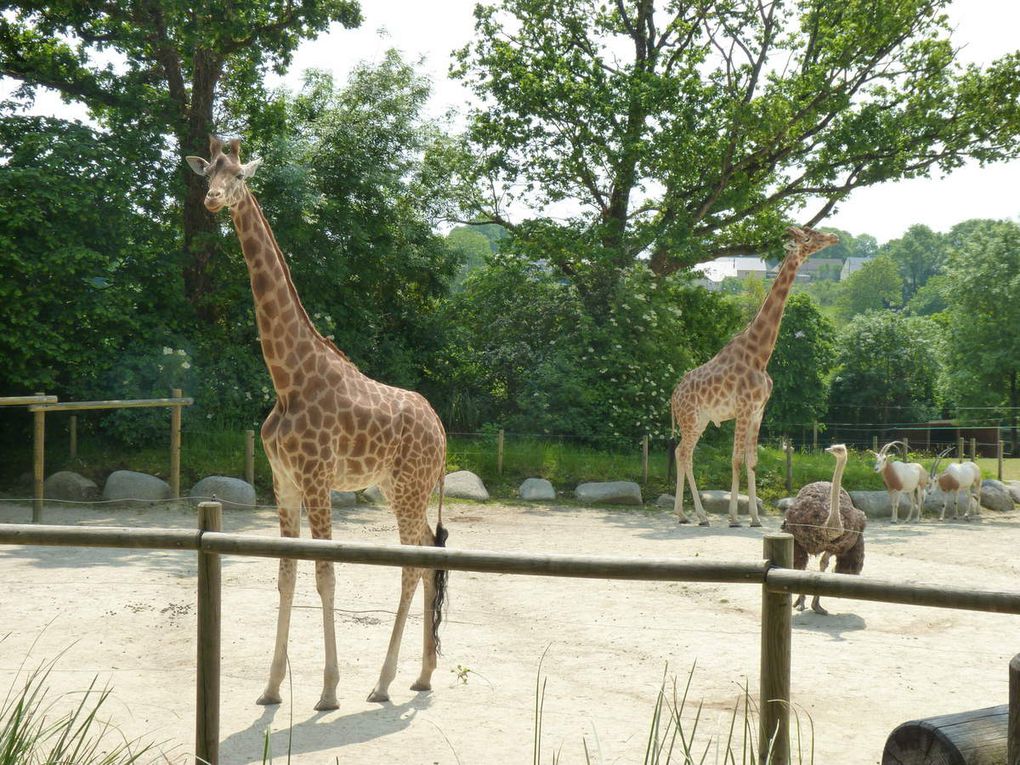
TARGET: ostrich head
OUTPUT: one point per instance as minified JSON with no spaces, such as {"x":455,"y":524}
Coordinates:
{"x":838,"y":451}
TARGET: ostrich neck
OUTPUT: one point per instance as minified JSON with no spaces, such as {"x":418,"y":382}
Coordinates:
{"x":835,"y":520}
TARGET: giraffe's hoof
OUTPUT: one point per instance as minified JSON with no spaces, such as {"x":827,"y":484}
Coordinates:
{"x":327,"y":704}
{"x":754,"y":524}
{"x":378,"y":696}
{"x":421,"y":686}
{"x":683,"y":520}
{"x":268,"y":699}
{"x":736,"y":524}
{"x":819,"y":610}
{"x":704,"y":523}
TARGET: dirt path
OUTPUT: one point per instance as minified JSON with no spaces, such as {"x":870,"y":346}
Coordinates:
{"x":128,"y":617}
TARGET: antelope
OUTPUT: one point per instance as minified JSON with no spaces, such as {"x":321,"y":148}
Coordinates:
{"x":910,"y":477}
{"x":958,"y":477}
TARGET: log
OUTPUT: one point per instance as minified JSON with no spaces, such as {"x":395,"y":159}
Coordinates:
{"x":976,"y":737}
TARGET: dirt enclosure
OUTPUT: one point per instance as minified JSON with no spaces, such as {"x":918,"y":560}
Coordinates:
{"x":128,"y":617}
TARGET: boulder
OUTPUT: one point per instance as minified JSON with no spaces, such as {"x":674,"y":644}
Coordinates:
{"x":228,"y":491}
{"x":465,"y":485}
{"x":609,"y":492}
{"x":934,"y":499}
{"x":995,"y":495}
{"x":666,"y":501}
{"x":70,"y":487}
{"x":374,"y":495}
{"x":343,"y":499}
{"x":1014,"y":490}
{"x":876,"y":504}
{"x":718,"y":501}
{"x":536,"y":489}
{"x":128,"y":486}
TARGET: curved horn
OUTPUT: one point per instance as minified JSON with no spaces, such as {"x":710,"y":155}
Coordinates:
{"x":885,"y":449}
{"x":938,"y":459}
{"x":215,"y":147}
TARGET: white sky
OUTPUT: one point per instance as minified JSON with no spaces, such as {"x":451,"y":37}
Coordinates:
{"x":985,"y":29}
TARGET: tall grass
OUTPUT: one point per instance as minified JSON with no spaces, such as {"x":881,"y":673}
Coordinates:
{"x":34,"y":732}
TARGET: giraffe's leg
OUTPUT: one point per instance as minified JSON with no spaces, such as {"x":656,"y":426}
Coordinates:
{"x":288,"y":499}
{"x":690,"y":432}
{"x":320,"y":521}
{"x":428,"y":651}
{"x":408,"y":584}
{"x":739,"y":448}
{"x":681,"y":473}
{"x":751,"y":460}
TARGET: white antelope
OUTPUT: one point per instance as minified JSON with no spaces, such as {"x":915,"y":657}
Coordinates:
{"x":957,"y":478}
{"x":902,"y":476}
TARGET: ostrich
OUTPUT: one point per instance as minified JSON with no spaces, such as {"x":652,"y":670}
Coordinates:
{"x":824,"y":521}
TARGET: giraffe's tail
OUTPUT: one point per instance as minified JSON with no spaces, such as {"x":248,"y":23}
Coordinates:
{"x":440,"y":576}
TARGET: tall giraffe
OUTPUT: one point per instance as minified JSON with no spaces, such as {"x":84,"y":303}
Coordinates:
{"x":733,"y":385}
{"x":331,"y":428}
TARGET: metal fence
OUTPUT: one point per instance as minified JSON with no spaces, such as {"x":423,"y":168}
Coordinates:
{"x":772,"y":573}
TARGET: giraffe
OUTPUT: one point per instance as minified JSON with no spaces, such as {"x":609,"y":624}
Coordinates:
{"x":734,"y":385}
{"x":331,"y":427}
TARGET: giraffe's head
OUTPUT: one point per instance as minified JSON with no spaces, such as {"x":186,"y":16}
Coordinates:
{"x":225,"y":172}
{"x":807,"y":241}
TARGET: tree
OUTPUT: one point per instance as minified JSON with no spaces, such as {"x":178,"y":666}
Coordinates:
{"x":919,"y":254}
{"x":800,"y":364}
{"x":982,"y":346}
{"x":181,"y":61}
{"x":886,"y":370}
{"x":699,"y":130}
{"x":874,"y":286}
{"x":850,"y":246}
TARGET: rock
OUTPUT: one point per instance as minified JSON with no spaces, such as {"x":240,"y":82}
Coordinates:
{"x":1014,"y":490}
{"x":536,"y":489}
{"x":935,"y":498}
{"x":465,"y":485}
{"x":995,"y":495}
{"x":127,"y":486}
{"x":717,"y":501}
{"x":784,"y":504}
{"x":228,"y":491}
{"x":70,"y":487}
{"x":666,"y":501}
{"x":343,"y":499}
{"x":609,"y":492}
{"x":876,"y":504}
{"x":374,"y":495}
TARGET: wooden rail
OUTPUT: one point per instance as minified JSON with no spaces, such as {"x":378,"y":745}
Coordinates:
{"x":777,"y":583}
{"x":46,"y":404}
{"x":27,"y":400}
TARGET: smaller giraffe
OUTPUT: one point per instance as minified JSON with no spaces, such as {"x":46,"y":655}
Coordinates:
{"x":734,"y":385}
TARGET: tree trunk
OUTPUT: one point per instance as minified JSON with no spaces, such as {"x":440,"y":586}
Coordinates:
{"x":1013,"y":396}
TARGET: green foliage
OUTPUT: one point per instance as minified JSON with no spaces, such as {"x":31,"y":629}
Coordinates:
{"x":525,"y":352}
{"x":800,"y":363}
{"x":886,"y":369}
{"x":689,"y":130}
{"x":875,"y":286}
{"x":919,"y":254}
{"x":982,"y":346}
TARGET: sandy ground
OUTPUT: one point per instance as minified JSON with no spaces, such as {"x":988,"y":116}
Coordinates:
{"x":128,"y":617}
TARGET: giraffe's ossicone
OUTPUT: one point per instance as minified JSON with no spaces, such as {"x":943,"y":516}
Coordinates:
{"x":331,"y":427}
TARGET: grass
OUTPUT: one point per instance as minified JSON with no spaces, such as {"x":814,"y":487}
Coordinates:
{"x":34,"y":732}
{"x":566,"y":462}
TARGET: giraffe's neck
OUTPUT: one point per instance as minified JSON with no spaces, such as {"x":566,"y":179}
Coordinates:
{"x":763,"y":330}
{"x":289,"y":339}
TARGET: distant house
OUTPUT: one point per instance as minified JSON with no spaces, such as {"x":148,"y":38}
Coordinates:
{"x":740,"y":267}
{"x":850,"y":265}
{"x":744,"y":267}
{"x":814,"y":269}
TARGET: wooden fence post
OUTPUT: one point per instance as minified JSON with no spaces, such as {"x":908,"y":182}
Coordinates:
{"x":73,"y":428}
{"x":1001,"y":446}
{"x":644,"y":457}
{"x":207,"y":708}
{"x":499,"y":452}
{"x":175,"y":446}
{"x":906,"y":445}
{"x":774,"y":693}
{"x":788,"y":448}
{"x":959,"y":448}
{"x":973,"y":449}
{"x":1013,"y":734}
{"x":38,"y":463}
{"x":249,"y":456}
{"x":814,"y":436}
{"x":874,"y":443}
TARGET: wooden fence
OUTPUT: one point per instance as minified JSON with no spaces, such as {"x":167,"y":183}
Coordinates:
{"x":772,"y":574}
{"x":40,"y":404}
